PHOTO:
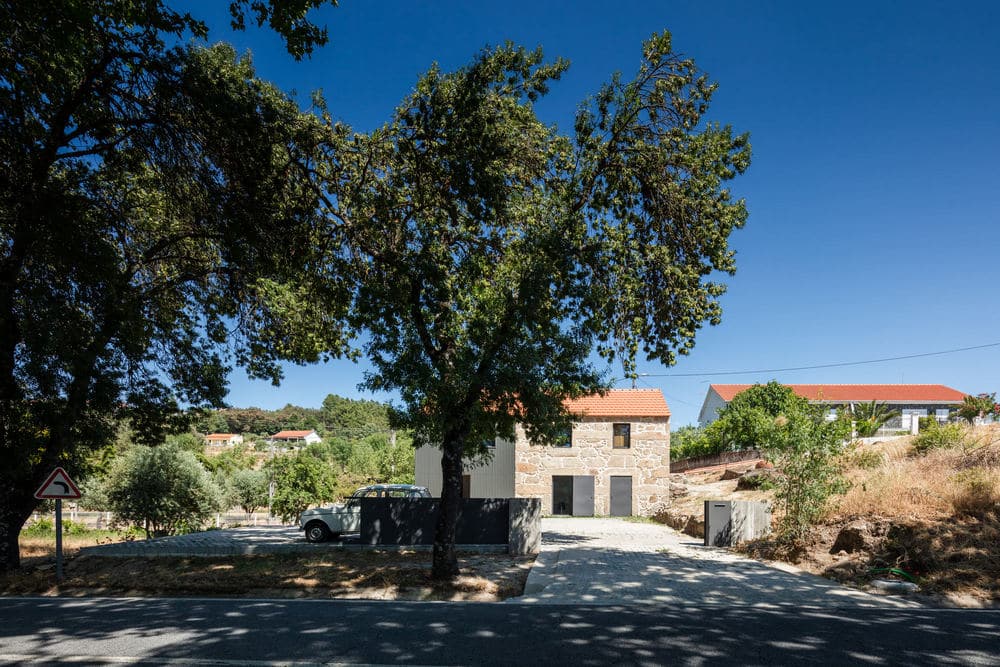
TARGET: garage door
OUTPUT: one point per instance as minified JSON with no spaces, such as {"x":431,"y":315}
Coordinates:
{"x":621,"y":495}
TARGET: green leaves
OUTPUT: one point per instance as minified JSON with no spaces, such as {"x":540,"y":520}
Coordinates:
{"x":151,"y":197}
{"x":163,"y":489}
{"x":490,"y":254}
{"x":870,"y":417}
{"x":300,"y":480}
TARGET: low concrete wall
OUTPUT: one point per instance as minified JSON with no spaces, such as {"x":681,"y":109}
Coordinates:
{"x":729,"y":522}
{"x":525,"y":533}
{"x":721,"y":458}
{"x":410,"y":521}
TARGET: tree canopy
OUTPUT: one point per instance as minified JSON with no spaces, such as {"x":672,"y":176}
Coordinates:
{"x":155,"y":196}
{"x":487,"y":254}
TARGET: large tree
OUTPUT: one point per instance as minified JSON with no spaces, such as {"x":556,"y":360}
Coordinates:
{"x":491,"y":252}
{"x":155,"y":198}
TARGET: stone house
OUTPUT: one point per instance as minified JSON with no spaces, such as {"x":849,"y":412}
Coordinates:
{"x":908,"y":400}
{"x":615,"y":461}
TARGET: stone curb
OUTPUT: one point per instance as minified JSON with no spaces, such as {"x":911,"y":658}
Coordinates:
{"x":538,"y":576}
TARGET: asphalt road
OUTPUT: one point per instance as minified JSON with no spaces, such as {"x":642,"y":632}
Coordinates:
{"x":265,"y":632}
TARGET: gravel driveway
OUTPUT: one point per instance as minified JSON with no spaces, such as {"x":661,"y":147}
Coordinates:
{"x":613,"y":561}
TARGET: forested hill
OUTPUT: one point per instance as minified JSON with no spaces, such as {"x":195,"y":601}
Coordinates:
{"x":338,"y":417}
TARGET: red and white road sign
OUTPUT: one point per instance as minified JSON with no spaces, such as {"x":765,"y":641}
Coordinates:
{"x":58,"y":487}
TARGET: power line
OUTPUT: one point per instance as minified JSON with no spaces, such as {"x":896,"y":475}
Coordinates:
{"x":834,"y":365}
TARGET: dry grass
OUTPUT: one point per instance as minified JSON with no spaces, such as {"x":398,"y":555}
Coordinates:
{"x":369,"y":575}
{"x":960,"y":480}
{"x":44,"y":546}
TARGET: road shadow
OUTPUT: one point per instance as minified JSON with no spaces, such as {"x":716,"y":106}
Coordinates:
{"x":462,"y":633}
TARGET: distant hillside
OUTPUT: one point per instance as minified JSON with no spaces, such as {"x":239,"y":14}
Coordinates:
{"x":338,"y":417}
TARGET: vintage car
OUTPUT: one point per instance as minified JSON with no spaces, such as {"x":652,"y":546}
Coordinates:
{"x":324,"y":523}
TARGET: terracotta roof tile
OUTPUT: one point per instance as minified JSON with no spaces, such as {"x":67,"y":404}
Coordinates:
{"x":899,"y":393}
{"x":621,"y":403}
{"x":219,"y":436}
{"x":291,"y":434}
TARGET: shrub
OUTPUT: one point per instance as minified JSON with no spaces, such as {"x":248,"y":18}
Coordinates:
{"x":164,"y":489}
{"x":976,"y":492}
{"x":44,"y":526}
{"x":939,"y":436}
{"x":758,"y":480}
{"x":687,"y":442}
{"x":300,"y":481}
{"x":865,"y":459}
{"x":806,"y":449}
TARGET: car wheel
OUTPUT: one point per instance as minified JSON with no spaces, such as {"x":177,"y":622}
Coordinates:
{"x":316,"y":531}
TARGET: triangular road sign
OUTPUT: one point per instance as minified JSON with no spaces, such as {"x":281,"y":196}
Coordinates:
{"x":58,"y":486}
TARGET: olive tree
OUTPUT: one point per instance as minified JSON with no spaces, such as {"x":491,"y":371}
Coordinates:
{"x":163,"y":489}
{"x":248,"y":489}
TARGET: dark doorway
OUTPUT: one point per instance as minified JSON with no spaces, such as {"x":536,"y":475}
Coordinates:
{"x":562,"y":494}
{"x":621,"y":496}
{"x":573,"y":495}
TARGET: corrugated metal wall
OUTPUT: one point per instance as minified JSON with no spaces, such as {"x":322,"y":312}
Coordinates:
{"x":494,"y":479}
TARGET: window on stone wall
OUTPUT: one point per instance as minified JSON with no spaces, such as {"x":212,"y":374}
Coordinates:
{"x":566,"y":439}
{"x":621,"y":437}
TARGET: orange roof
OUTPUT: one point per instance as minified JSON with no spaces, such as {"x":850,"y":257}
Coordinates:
{"x":292,"y":434}
{"x":621,"y":403}
{"x":836,"y":393}
{"x":219,"y":436}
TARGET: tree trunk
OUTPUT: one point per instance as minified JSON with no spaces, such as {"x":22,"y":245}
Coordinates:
{"x":13,"y":515}
{"x":445,"y":566}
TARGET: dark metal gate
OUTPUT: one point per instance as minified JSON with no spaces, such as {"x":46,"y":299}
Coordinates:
{"x":583,"y":495}
{"x":621,"y":495}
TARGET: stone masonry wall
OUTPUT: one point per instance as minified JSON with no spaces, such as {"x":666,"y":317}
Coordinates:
{"x":647,"y":461}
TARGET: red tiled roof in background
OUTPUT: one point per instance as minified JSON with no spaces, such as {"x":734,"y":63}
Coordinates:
{"x":835,"y":393}
{"x":621,"y":403}
{"x":219,"y":436}
{"x":291,"y":434}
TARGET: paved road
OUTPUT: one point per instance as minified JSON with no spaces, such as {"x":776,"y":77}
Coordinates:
{"x":611,"y":561}
{"x":262,"y":632}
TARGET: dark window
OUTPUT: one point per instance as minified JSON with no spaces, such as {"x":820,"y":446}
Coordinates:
{"x":621,"y":436}
{"x":566,"y":439}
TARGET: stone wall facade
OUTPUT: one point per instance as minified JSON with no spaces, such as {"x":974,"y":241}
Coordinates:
{"x":646,"y":461}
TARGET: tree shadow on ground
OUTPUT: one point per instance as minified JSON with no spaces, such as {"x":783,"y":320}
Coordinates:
{"x":161,"y":630}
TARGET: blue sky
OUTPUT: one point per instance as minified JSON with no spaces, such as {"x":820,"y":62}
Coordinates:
{"x":873,"y":191}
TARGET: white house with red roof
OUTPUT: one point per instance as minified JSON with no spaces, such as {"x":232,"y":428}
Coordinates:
{"x":223,"y":439}
{"x":910,"y":400}
{"x":294,"y":438}
{"x":615,"y":461}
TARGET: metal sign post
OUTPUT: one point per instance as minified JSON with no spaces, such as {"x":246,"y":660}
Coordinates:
{"x":58,"y":486}
{"x":59,"y":574}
